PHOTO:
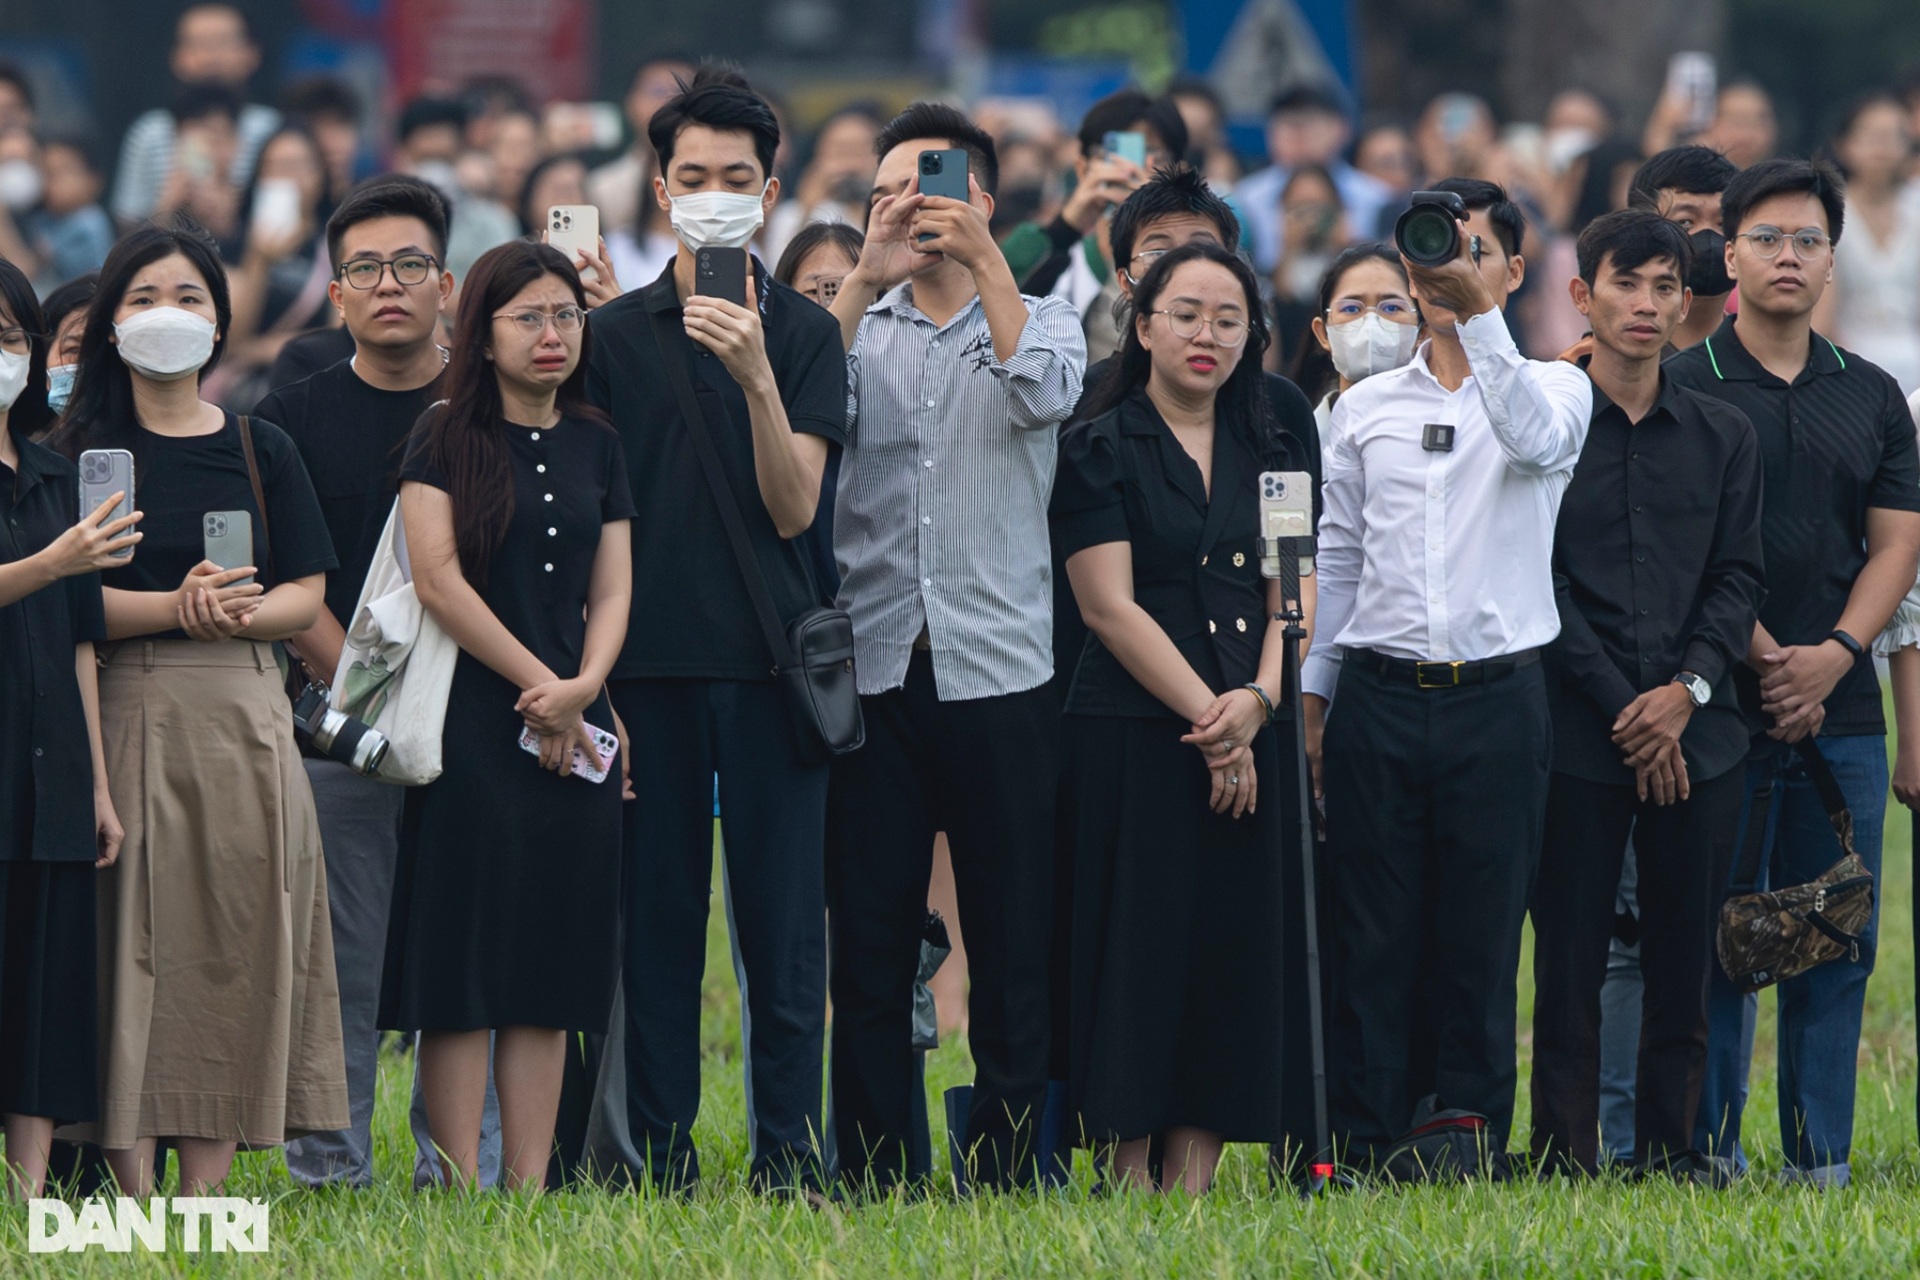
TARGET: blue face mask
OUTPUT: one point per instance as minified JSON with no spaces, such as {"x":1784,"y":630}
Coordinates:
{"x":60,"y":386}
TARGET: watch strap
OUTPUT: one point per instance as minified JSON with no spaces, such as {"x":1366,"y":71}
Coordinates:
{"x":1847,"y":642}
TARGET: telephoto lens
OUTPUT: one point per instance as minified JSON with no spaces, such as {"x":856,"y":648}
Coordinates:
{"x":1428,"y":234}
{"x":339,"y":736}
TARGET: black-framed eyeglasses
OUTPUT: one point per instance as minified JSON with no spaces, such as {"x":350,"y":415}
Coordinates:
{"x":1808,"y":242}
{"x":409,"y":269}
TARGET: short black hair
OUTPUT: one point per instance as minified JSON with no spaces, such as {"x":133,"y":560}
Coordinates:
{"x":1784,"y":176}
{"x":1170,"y":193}
{"x":1694,"y":169}
{"x":842,"y":236}
{"x":199,"y":101}
{"x":1120,"y":112}
{"x":720,"y":98}
{"x":938,"y":120}
{"x":391,"y":195}
{"x":1631,"y":238}
{"x":10,"y":73}
{"x":1309,"y":97}
{"x":429,"y":113}
{"x":1509,"y":224}
{"x":321,"y":98}
{"x":75,"y":295}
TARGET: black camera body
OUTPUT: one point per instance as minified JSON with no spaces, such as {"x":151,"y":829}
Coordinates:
{"x":336,"y":735}
{"x":1428,"y":233}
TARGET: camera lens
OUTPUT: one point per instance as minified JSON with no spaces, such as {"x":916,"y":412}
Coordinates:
{"x":1427,"y":234}
{"x":929,"y":164}
{"x":97,"y":468}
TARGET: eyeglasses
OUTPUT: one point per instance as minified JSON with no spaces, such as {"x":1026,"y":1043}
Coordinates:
{"x":1228,"y":331}
{"x":1808,"y":242}
{"x":534,"y":323}
{"x":1395,"y":309}
{"x":408,"y":269}
{"x":16,"y":340}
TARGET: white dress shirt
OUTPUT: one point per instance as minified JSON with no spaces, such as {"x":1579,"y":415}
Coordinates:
{"x":1444,"y":556}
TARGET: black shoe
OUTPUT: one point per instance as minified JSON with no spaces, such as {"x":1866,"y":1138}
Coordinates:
{"x":1691,"y":1168}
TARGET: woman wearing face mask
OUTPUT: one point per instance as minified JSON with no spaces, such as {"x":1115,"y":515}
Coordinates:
{"x":1364,"y":323}
{"x":220,"y":1018}
{"x":1179,"y":990}
{"x":57,"y":822}
{"x":66,"y":312}
{"x":506,"y":904}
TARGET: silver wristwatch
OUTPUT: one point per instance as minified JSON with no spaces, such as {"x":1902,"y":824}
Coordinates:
{"x":1699,"y":692}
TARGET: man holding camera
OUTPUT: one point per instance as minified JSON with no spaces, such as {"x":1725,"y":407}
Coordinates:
{"x":959,"y":383}
{"x":1436,"y":598}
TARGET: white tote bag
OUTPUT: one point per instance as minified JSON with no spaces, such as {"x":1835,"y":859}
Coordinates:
{"x":396,"y":668}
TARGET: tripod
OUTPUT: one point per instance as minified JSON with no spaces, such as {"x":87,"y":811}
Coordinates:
{"x":1318,"y":1172}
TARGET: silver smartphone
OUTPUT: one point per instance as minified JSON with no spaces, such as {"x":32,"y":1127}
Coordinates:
{"x":1286,"y":511}
{"x":226,"y":538}
{"x":574,"y":229}
{"x":103,"y":473}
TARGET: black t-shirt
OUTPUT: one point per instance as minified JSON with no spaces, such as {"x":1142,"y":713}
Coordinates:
{"x":691,"y":615}
{"x":178,"y":479}
{"x":352,"y":438}
{"x":308,"y":353}
{"x":568,"y":480}
{"x":1833,"y":443}
{"x":46,"y":762}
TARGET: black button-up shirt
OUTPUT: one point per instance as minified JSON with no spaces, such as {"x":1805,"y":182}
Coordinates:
{"x":46,"y":761}
{"x":1833,"y":443}
{"x":1657,"y":570}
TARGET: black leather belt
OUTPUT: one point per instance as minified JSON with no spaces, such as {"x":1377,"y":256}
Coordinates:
{"x":1442,"y":675}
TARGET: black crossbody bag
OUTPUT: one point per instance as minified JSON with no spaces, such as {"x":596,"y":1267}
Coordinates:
{"x":812,"y":653}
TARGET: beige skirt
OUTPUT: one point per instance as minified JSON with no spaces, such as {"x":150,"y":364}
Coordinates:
{"x":219,"y":1005}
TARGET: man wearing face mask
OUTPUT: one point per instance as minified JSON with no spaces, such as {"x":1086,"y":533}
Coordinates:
{"x":693,"y":684}
{"x":1683,"y":185}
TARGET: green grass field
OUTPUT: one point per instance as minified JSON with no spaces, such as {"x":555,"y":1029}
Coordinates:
{"x":1242,"y":1229}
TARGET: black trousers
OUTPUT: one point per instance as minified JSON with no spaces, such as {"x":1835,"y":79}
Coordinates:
{"x":773,"y":821}
{"x":1435,"y":804}
{"x":984,"y":771}
{"x":1685,"y":853}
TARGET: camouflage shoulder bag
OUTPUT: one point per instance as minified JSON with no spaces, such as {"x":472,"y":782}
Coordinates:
{"x":1766,"y":937}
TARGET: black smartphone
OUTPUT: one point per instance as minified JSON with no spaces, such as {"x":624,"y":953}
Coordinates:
{"x":943,"y":173}
{"x":721,"y":273}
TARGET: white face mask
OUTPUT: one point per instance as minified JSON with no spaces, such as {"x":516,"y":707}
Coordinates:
{"x":13,"y":376}
{"x":60,"y":386}
{"x":716,"y":219}
{"x":165,"y":343}
{"x":1370,"y":345}
{"x":20,"y":184}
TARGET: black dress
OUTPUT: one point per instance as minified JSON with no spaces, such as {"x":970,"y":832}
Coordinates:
{"x":506,"y":902}
{"x":1178,"y":1001}
{"x":47,"y":959}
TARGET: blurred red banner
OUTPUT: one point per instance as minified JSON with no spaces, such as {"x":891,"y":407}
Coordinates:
{"x":434,"y":46}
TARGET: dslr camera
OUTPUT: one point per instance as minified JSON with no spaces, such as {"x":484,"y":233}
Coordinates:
{"x":336,"y":735}
{"x":1428,"y":233}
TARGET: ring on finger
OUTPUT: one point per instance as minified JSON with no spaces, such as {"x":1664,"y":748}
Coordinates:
{"x":1233,"y":780}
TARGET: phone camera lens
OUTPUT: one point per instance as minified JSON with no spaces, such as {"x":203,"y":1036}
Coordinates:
{"x":929,"y":164}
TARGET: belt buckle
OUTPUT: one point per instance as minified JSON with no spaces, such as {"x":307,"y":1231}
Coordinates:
{"x":1451,"y":671}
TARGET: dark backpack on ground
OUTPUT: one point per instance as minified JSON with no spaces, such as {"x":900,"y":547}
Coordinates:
{"x":1442,"y":1146}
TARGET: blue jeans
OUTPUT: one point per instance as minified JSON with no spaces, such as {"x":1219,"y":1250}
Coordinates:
{"x":1819,"y":1010}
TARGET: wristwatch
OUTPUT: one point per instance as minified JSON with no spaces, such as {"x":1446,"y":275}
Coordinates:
{"x":1699,"y":692}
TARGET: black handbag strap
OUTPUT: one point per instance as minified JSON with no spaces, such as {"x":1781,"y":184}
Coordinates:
{"x":723,"y":497}
{"x":259,"y":490}
{"x":1747,"y":871}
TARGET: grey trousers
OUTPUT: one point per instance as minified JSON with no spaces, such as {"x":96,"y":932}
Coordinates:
{"x":1620,"y":1001}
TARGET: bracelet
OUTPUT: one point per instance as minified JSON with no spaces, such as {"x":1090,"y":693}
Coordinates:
{"x":1261,"y":694}
{"x":1847,"y":642}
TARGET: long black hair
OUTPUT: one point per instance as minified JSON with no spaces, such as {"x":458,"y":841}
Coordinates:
{"x":1241,"y":404}
{"x":463,"y":435}
{"x":101,"y":411}
{"x":29,"y":415}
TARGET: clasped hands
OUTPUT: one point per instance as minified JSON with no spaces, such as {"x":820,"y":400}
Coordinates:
{"x":1224,"y":734}
{"x":552,"y":709}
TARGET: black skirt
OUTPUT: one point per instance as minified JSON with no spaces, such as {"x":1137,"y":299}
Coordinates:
{"x":506,"y":900}
{"x":48,"y":985}
{"x":1177,"y":1001}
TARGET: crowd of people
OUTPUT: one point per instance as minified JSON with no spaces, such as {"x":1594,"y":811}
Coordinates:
{"x":1615,"y":506}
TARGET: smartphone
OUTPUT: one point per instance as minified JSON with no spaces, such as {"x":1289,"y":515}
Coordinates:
{"x":573,"y":229}
{"x":1691,"y":76}
{"x":943,"y":173}
{"x":1286,"y":511}
{"x":829,"y":290}
{"x":226,"y":539}
{"x":276,"y":207}
{"x":1127,"y":146}
{"x":721,"y":273}
{"x":593,"y":770}
{"x":103,"y":473}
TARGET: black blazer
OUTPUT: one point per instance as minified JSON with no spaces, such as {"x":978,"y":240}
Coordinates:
{"x":1123,"y":477}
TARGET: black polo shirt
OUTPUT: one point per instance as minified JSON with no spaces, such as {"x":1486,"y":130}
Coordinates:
{"x":1834,"y":442}
{"x":46,"y":761}
{"x":691,"y":615}
{"x":1657,"y":570}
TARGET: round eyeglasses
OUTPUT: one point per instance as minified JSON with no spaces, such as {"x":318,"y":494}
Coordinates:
{"x":1228,"y":331}
{"x":532,"y":324}
{"x":1809,"y":243}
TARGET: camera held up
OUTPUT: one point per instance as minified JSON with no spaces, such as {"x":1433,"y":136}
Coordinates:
{"x":1428,"y":233}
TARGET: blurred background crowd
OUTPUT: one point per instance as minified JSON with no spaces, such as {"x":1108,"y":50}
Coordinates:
{"x":1318,"y":117}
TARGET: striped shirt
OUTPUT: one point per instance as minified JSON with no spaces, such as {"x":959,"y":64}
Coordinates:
{"x":146,"y":158}
{"x":941,"y":519}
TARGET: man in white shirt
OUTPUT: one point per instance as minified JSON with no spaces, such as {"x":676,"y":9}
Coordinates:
{"x":1436,"y":596}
